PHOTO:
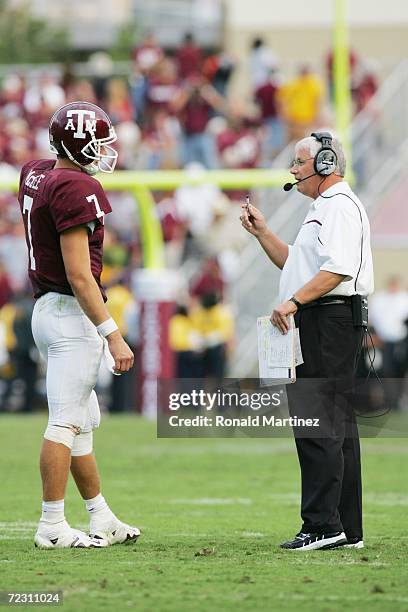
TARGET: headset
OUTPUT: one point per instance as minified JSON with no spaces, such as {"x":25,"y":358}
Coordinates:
{"x":325,"y":160}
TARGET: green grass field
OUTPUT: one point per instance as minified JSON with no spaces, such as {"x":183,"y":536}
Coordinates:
{"x":212,"y":513}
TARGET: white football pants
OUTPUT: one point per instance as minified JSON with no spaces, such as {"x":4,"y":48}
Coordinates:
{"x":73,"y":349}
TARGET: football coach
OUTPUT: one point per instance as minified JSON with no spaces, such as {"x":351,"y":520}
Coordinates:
{"x":326,"y":276}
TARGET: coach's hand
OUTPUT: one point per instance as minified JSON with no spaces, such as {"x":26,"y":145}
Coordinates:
{"x":279,"y":317}
{"x":120,"y":352}
{"x":253,"y":220}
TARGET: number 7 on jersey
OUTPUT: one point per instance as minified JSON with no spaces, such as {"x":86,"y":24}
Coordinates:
{"x":99,"y":212}
{"x":27,"y":205}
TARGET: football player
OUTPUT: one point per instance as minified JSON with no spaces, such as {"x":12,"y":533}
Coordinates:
{"x":63,"y":209}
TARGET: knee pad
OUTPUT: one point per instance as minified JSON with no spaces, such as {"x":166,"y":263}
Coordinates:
{"x":83,"y":444}
{"x":61,"y":434}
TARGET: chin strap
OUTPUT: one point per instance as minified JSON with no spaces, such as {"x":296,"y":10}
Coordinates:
{"x":86,"y":168}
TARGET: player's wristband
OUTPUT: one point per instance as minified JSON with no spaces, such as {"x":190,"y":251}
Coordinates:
{"x":107,"y":327}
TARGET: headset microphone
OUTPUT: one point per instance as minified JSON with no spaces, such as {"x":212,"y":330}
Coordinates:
{"x":288,"y":186}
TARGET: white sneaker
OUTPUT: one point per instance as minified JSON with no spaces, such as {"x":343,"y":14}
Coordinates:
{"x":348,"y":543}
{"x":354,"y":544}
{"x":64,"y":536}
{"x":315,"y":541}
{"x":115,"y":533}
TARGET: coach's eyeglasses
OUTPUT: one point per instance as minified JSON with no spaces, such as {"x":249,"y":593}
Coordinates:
{"x":299,"y":162}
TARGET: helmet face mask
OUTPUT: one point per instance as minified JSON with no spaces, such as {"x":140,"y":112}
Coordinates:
{"x":103,"y":157}
{"x":83,"y":133}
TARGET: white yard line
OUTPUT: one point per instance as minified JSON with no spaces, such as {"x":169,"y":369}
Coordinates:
{"x":213,"y":501}
{"x":261,"y":447}
{"x":195,"y":534}
{"x":16,"y":537}
{"x":20,"y":524}
{"x":369,"y":499}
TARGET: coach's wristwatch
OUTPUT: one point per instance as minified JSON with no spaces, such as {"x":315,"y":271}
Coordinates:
{"x":295,"y":301}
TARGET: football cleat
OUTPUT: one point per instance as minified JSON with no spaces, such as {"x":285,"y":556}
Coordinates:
{"x":65,"y":537}
{"x":315,"y":541}
{"x":116,"y":533}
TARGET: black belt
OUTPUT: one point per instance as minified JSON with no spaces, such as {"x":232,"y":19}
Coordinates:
{"x":327,"y":300}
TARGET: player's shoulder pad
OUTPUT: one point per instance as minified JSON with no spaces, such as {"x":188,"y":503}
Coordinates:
{"x":74,"y":182}
{"x":37,"y":164}
{"x":74,"y":194}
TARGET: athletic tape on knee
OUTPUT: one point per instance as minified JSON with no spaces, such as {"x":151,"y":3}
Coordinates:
{"x":83,"y":444}
{"x":61,"y":435}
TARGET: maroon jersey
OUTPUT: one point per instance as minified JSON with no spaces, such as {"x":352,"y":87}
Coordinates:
{"x":51,"y":201}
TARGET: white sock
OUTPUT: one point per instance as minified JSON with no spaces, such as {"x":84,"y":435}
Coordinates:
{"x":99,"y":511}
{"x":53,"y":512}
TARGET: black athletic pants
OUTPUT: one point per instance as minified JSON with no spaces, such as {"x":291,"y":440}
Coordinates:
{"x":329,"y":456}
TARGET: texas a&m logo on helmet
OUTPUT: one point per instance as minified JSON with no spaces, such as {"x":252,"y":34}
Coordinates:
{"x":83,"y":133}
{"x":85,"y":122}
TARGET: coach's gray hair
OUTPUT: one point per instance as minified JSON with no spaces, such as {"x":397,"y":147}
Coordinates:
{"x":314,"y":147}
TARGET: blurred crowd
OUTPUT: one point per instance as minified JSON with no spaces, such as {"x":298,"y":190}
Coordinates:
{"x":173,"y":110}
{"x":388,"y":316}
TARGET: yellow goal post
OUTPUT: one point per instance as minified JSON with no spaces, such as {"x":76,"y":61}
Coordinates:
{"x":141,"y":183}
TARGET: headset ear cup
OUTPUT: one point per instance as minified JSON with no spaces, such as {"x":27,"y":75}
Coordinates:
{"x":325,"y":162}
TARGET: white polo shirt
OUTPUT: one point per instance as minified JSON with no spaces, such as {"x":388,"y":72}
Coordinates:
{"x":335,"y":236}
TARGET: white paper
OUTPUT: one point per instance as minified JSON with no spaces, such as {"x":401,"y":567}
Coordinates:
{"x":298,"y":348}
{"x":280,"y":348}
{"x":274,"y":351}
